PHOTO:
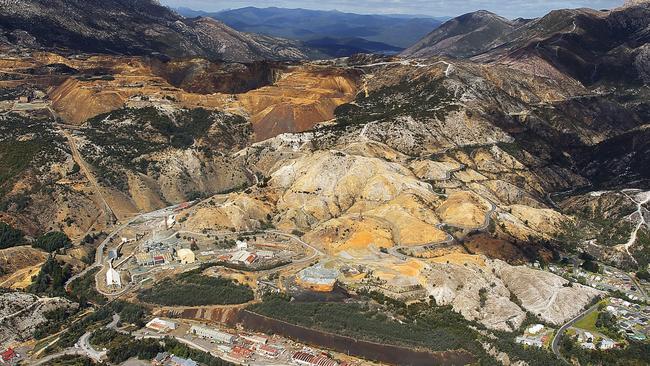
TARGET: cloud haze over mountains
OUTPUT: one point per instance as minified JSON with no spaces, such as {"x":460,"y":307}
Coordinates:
{"x":508,"y":8}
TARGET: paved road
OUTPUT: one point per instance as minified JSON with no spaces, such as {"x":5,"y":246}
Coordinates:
{"x":555,"y":345}
{"x":84,"y":345}
{"x":54,"y":356}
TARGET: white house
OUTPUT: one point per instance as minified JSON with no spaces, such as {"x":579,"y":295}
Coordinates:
{"x":606,"y":344}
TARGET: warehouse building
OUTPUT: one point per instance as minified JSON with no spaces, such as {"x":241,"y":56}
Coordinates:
{"x":318,"y":278}
{"x":214,"y":334}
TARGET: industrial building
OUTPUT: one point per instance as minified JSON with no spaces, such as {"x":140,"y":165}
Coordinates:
{"x":113,"y":278}
{"x":318,"y":278}
{"x":213,"y":334}
{"x":154,"y":258}
{"x":307,"y":359}
{"x":255,"y":338}
{"x":268,"y":351}
{"x":161,"y":326}
{"x":186,"y":256}
{"x":243,"y":257}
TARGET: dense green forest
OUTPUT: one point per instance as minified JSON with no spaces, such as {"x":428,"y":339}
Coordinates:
{"x":193,"y":289}
{"x":83,"y":291}
{"x":52,"y":241}
{"x":10,"y":237}
{"x":51,"y":279}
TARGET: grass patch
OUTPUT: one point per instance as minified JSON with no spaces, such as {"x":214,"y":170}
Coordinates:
{"x":588,"y":322}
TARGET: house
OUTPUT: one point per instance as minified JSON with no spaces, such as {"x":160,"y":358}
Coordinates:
{"x":534,"y":342}
{"x":588,"y":345}
{"x":8,"y":355}
{"x":213,"y":334}
{"x":534,"y":329}
{"x":178,"y":361}
{"x":606,"y":344}
{"x":161,"y":326}
{"x":160,"y":359}
{"x":241,"y":245}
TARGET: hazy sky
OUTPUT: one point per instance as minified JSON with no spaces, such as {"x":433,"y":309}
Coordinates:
{"x":507,"y":8}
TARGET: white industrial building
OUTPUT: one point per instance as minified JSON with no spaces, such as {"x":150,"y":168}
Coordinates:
{"x":213,"y":334}
{"x":113,"y":278}
{"x":243,"y":257}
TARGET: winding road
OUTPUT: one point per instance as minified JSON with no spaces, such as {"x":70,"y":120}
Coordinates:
{"x":555,"y":345}
{"x":640,"y":199}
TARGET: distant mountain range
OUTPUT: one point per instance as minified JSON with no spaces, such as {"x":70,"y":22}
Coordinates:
{"x":332,"y":32}
{"x":586,"y":44}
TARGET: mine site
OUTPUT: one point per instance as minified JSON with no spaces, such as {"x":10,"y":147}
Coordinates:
{"x":296,"y":186}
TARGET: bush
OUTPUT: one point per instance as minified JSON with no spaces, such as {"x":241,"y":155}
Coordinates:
{"x":52,"y":241}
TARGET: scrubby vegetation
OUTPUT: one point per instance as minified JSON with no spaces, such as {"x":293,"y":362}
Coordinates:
{"x":76,"y":329}
{"x":10,"y":237}
{"x":55,"y":321}
{"x":193,"y":289}
{"x":419,"y":99}
{"x":130,"y":313}
{"x":124,"y":138}
{"x":26,"y":145}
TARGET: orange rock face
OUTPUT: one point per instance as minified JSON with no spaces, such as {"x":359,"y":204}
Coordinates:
{"x":297,"y":98}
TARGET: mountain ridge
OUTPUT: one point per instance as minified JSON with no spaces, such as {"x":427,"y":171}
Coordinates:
{"x":140,"y":27}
